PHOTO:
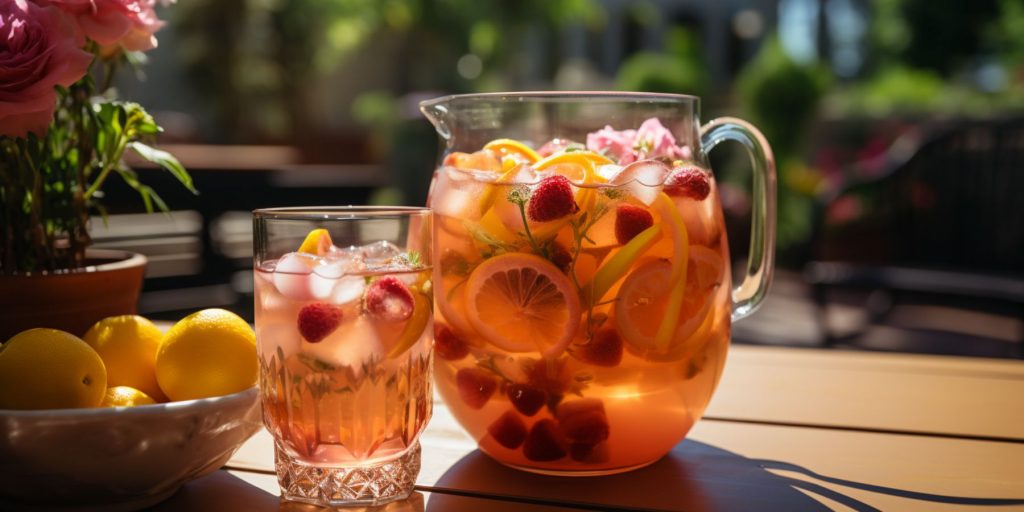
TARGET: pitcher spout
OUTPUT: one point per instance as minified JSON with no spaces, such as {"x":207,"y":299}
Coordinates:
{"x":437,"y":112}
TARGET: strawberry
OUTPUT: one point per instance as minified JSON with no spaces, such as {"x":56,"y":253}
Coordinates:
{"x":543,"y":442}
{"x":388,"y":298}
{"x":630,"y":221}
{"x":549,"y":375}
{"x":508,"y":430}
{"x":318,"y":320}
{"x":559,"y":255}
{"x":552,"y":199}
{"x":475,"y":386}
{"x":604,"y":349}
{"x":690,"y":182}
{"x":591,"y":453}
{"x":526,"y":398}
{"x":447,"y":345}
{"x":583,"y":421}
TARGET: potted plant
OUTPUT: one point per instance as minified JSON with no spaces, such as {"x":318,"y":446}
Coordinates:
{"x":63,"y":134}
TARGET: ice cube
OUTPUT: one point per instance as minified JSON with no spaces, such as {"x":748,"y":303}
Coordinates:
{"x":292,"y":275}
{"x":324,"y":277}
{"x":343,"y":253}
{"x":348,"y":289}
{"x":642,"y":180}
{"x":457,"y":194}
{"x":278,"y":335}
{"x":354,"y":345}
{"x":381,"y":250}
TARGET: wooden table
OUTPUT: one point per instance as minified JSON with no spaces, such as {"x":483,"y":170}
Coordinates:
{"x":788,"y":429}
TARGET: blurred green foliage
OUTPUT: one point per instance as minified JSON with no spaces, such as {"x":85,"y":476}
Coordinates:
{"x":681,"y":68}
{"x":257,"y":61}
{"x":782,"y":97}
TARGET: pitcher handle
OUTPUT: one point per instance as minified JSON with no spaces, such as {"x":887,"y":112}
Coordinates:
{"x":747,"y":297}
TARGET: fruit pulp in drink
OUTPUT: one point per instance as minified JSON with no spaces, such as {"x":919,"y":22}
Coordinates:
{"x":584,"y":337}
{"x":361,"y":392}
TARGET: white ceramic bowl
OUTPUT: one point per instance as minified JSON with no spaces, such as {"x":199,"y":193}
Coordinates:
{"x":122,"y":458}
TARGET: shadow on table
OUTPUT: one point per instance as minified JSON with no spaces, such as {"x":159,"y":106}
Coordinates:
{"x":693,"y":477}
{"x":221,"y":491}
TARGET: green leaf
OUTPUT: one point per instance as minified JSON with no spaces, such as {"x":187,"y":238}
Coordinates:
{"x":165,"y":160}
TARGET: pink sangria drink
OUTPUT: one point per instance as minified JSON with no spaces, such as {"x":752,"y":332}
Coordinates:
{"x":583,"y":296}
{"x":344,"y":339}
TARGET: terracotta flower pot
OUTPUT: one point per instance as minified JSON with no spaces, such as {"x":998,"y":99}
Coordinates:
{"x":72,"y":301}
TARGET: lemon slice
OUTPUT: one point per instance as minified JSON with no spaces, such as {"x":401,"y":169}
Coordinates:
{"x":523,"y":303}
{"x":317,"y":242}
{"x":672,"y":223}
{"x":618,"y":263}
{"x":511,"y":147}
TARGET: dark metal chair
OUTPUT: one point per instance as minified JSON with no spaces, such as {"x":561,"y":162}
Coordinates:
{"x":943,"y":224}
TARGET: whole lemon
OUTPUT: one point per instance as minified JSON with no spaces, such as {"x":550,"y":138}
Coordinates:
{"x":128,"y":344}
{"x":125,"y":396}
{"x":208,"y":353}
{"x":50,"y":369}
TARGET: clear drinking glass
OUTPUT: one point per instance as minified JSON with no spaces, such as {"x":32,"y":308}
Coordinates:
{"x":583,"y":289}
{"x":344,"y":327}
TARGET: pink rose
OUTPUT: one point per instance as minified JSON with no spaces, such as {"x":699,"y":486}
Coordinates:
{"x":126,"y":23}
{"x":39,"y":49}
{"x":651,"y":140}
{"x":613,"y":144}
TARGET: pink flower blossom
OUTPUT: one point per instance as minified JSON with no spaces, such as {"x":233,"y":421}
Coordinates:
{"x":39,"y":49}
{"x":129,"y":24}
{"x":617,"y":145}
{"x":651,"y":140}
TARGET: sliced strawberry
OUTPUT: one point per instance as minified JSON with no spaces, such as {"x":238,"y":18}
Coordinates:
{"x":583,"y":421}
{"x":316,"y":321}
{"x":549,"y":375}
{"x":508,"y":430}
{"x":560,"y":256}
{"x":591,"y":453}
{"x":690,"y":182}
{"x":526,"y":398}
{"x":447,"y":345}
{"x":389,"y":299}
{"x":604,"y":349}
{"x":630,"y":221}
{"x":475,"y":386}
{"x":543,"y":442}
{"x":552,"y":199}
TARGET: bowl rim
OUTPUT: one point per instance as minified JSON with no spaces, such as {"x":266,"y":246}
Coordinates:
{"x":93,"y":412}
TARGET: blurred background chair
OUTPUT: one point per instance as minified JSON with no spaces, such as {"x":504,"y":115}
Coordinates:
{"x":933,"y":245}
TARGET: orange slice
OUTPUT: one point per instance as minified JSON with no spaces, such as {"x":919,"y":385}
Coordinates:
{"x":414,"y":326}
{"x":644,"y":301}
{"x":491,"y":191}
{"x":586,"y":158}
{"x":523,"y":303}
{"x":513,"y":148}
{"x":483,"y":160}
{"x":317,"y":242}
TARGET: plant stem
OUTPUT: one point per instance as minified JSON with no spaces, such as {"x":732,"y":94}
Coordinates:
{"x":79,"y":237}
{"x":529,"y":236}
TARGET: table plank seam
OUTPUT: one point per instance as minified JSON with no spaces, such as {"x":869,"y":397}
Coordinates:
{"x":536,"y":501}
{"x":480,"y":495}
{"x":870,"y":430}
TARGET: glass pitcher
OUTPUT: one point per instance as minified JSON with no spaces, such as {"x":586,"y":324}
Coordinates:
{"x":582,"y":286}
